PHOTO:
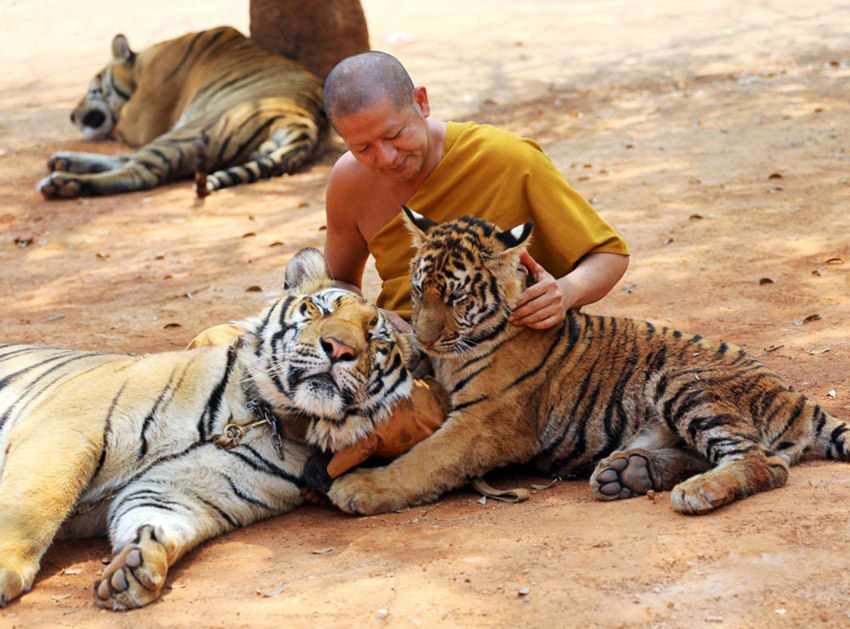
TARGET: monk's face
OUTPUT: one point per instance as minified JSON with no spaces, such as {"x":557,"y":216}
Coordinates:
{"x":393,"y":142}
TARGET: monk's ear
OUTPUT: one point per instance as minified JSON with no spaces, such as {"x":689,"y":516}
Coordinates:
{"x":515,"y":238}
{"x":306,"y":267}
{"x":417,"y":225}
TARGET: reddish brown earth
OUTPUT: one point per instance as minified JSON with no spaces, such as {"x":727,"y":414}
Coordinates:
{"x":714,"y":137}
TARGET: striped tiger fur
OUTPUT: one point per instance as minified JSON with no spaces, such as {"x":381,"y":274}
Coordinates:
{"x":94,"y":444}
{"x":636,"y":406}
{"x":213,"y":98}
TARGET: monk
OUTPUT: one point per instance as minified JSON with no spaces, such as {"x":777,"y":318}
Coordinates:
{"x":443,"y":170}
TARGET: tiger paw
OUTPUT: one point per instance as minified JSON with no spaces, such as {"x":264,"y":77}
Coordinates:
{"x":702,"y":494}
{"x":14,"y":582}
{"x":64,"y":161}
{"x":59,"y":185}
{"x":11,"y":585}
{"x":135,"y":575}
{"x":367,"y":492}
{"x":622,"y":475}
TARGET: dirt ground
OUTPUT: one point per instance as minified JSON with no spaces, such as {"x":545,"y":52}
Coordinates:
{"x":712,"y":134}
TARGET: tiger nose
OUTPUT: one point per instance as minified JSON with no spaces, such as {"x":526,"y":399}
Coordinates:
{"x":93,"y":119}
{"x":336,"y":350}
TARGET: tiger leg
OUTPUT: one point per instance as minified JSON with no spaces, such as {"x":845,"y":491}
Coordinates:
{"x":43,"y":475}
{"x":170,"y":156}
{"x":287,"y":149}
{"x":831,"y":436}
{"x":634,"y":471}
{"x":465,"y":447}
{"x":180,"y":503}
{"x":743,"y":465}
{"x":73,"y":162}
{"x":654,"y":458}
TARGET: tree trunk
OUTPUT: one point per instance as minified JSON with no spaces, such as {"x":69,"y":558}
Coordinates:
{"x":318,"y":34}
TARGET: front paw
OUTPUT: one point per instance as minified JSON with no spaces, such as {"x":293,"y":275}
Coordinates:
{"x":15,"y":580}
{"x":11,"y":585}
{"x":135,"y":575}
{"x":63,"y":160}
{"x":367,"y":492}
{"x":60,"y":185}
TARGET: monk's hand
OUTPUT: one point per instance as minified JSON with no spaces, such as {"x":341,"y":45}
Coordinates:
{"x":543,"y":304}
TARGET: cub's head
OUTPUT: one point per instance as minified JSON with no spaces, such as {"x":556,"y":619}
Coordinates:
{"x":97,"y":111}
{"x":325,"y":353}
{"x":465,"y":274}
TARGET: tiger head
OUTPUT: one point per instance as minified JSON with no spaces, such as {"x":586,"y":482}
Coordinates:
{"x":465,"y":274}
{"x":97,"y":112}
{"x":325,"y":353}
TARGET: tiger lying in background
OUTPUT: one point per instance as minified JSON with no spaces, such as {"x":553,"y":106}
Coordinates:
{"x":649,"y":408}
{"x":164,"y":451}
{"x":208,"y":100}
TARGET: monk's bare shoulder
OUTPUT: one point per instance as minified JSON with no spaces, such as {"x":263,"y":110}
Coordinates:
{"x":349,"y":183}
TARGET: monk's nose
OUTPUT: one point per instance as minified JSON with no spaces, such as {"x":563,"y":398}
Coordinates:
{"x":336,"y":350}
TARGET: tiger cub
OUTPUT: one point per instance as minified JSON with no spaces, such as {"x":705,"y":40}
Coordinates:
{"x":208,"y":100}
{"x":164,"y":451}
{"x":642,"y":407}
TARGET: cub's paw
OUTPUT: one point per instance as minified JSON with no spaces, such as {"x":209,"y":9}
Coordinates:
{"x":135,"y":575}
{"x":622,"y":475}
{"x":60,"y":185}
{"x":702,"y":494}
{"x":367,"y":492}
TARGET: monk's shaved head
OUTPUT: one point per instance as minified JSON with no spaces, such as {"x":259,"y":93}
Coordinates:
{"x":363,"y":80}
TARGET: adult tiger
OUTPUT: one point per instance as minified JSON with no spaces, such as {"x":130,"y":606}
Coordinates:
{"x":208,"y":100}
{"x":650,"y":408}
{"x":164,"y":451}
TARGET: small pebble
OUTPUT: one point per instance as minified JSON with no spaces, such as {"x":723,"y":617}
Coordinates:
{"x":523,"y":591}
{"x":382,"y":613}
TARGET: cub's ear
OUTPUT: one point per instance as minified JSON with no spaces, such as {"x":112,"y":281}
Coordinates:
{"x":516,"y":237}
{"x":306,"y":267}
{"x":121,"y":49}
{"x":417,"y":225}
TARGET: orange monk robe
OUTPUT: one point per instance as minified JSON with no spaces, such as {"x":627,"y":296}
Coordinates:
{"x":507,"y":180}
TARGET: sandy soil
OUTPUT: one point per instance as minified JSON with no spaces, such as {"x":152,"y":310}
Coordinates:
{"x":712,"y":134}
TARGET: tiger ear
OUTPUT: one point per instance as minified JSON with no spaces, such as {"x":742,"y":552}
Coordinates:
{"x":306,"y":266}
{"x":515,"y":237}
{"x":121,"y":49}
{"x":417,"y":225}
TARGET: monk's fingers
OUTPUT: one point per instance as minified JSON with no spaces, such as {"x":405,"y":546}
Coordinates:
{"x":531,"y":264}
{"x":535,"y":291}
{"x":548,"y":322}
{"x":546,"y":305}
{"x":312,"y":497}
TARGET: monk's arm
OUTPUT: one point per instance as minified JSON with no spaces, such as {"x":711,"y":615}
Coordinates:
{"x":345,"y":248}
